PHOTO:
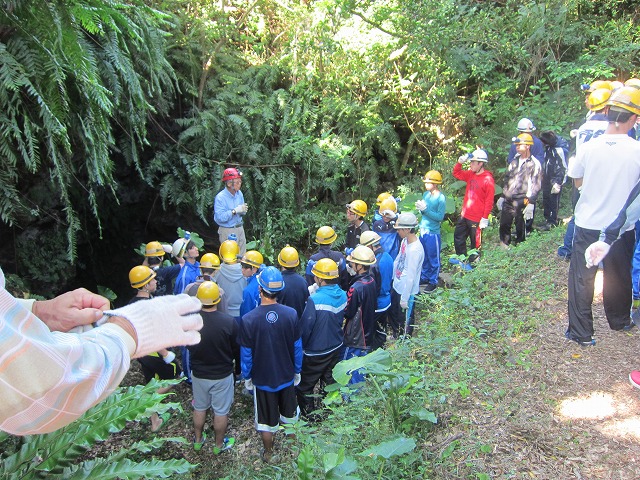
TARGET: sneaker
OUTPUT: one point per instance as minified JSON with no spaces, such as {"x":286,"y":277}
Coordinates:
{"x":632,"y":324}
{"x":634,"y":378}
{"x":430,"y":287}
{"x":227,"y":443}
{"x":582,"y":343}
{"x":197,"y":446}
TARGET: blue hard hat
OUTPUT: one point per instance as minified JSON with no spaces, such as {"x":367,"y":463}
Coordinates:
{"x":270,"y":279}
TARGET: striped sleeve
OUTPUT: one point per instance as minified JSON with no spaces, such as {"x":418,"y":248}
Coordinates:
{"x":48,"y":379}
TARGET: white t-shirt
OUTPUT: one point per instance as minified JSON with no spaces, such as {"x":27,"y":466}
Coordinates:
{"x":406,"y":269}
{"x":610,"y":167}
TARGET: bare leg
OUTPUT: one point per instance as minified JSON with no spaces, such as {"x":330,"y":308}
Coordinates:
{"x":267,"y":441}
{"x":199,"y":417}
{"x":156,"y":421}
{"x":220,"y":423}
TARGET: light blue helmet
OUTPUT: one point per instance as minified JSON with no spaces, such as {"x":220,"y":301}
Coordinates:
{"x":270,"y":280}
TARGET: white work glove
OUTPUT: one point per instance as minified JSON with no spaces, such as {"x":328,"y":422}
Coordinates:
{"x":313,"y":288}
{"x":388,"y":213}
{"x":248,"y":384}
{"x":162,"y":322}
{"x":296,"y":379}
{"x":241,"y":209}
{"x":528,"y":212}
{"x":404,"y":304}
{"x":169,"y":358}
{"x":595,"y":252}
{"x":350,"y":270}
{"x":555,"y":188}
{"x":463,"y":158}
{"x":484,"y":223}
{"x":421,"y":205}
{"x":499,"y":203}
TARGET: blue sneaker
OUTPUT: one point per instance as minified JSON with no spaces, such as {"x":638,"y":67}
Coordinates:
{"x":582,"y":343}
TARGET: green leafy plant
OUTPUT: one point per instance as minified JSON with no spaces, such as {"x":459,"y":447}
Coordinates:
{"x":57,"y":454}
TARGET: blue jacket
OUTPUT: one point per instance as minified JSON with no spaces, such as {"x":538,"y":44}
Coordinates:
{"x":188,"y":274}
{"x":250,"y":295}
{"x":389,"y":239}
{"x":295,"y":291}
{"x":271,"y":347}
{"x":383,"y":273}
{"x":321,"y":321}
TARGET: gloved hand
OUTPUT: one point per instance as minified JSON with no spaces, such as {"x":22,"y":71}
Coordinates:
{"x":248,"y":384}
{"x":348,"y":251}
{"x":169,"y":358}
{"x":296,"y":379}
{"x":528,"y":211}
{"x":313,"y":288}
{"x":555,"y":188}
{"x":499,"y":203}
{"x":350,"y":270}
{"x":404,"y":304}
{"x":463,"y":158}
{"x":595,"y":252}
{"x":421,"y":205}
{"x":241,"y":209}
{"x":388,"y":214}
{"x":162,"y":322}
{"x":484,"y":223}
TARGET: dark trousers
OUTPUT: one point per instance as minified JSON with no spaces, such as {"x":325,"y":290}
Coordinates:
{"x":396,"y":318}
{"x":380,"y":335}
{"x":315,"y":368}
{"x":512,"y":210}
{"x":616,"y":288}
{"x":465,"y":228}
{"x":550,"y":203}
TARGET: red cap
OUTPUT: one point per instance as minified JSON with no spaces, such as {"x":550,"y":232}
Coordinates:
{"x":230,"y":174}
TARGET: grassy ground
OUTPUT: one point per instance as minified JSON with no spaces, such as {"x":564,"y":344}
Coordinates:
{"x":510,"y":397}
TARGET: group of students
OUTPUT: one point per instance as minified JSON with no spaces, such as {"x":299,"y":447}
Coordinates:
{"x":279,"y":331}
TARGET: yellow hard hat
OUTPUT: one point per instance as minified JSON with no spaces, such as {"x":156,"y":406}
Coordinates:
{"x":210,"y":260}
{"x":362,"y":255}
{"x":208,"y":293}
{"x":523,"y":138}
{"x":288,"y":257}
{"x":325,"y":268}
{"x":383,"y":196}
{"x":154,"y":249}
{"x":326,"y":235}
{"x":626,"y":98}
{"x":593,"y":86}
{"x":253,"y":258}
{"x":389,"y":204}
{"x":597,"y":99}
{"x":229,"y":251}
{"x":141,"y":275}
{"x":358,"y":207}
{"x":432,"y":176}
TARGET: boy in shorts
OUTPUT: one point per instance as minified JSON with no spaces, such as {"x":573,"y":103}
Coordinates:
{"x":271,"y":352}
{"x":212,"y":369}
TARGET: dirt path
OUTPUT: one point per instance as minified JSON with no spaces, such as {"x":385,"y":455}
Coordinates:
{"x":574,"y":415}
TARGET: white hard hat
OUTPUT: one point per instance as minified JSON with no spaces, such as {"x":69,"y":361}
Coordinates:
{"x":179,"y":246}
{"x":526,"y":125}
{"x":479,"y":156}
{"x":406,"y":220}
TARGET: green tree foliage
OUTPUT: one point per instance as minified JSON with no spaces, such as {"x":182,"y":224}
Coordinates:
{"x":78,"y":81}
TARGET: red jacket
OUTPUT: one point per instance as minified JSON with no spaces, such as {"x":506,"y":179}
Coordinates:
{"x":478,"y":197}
